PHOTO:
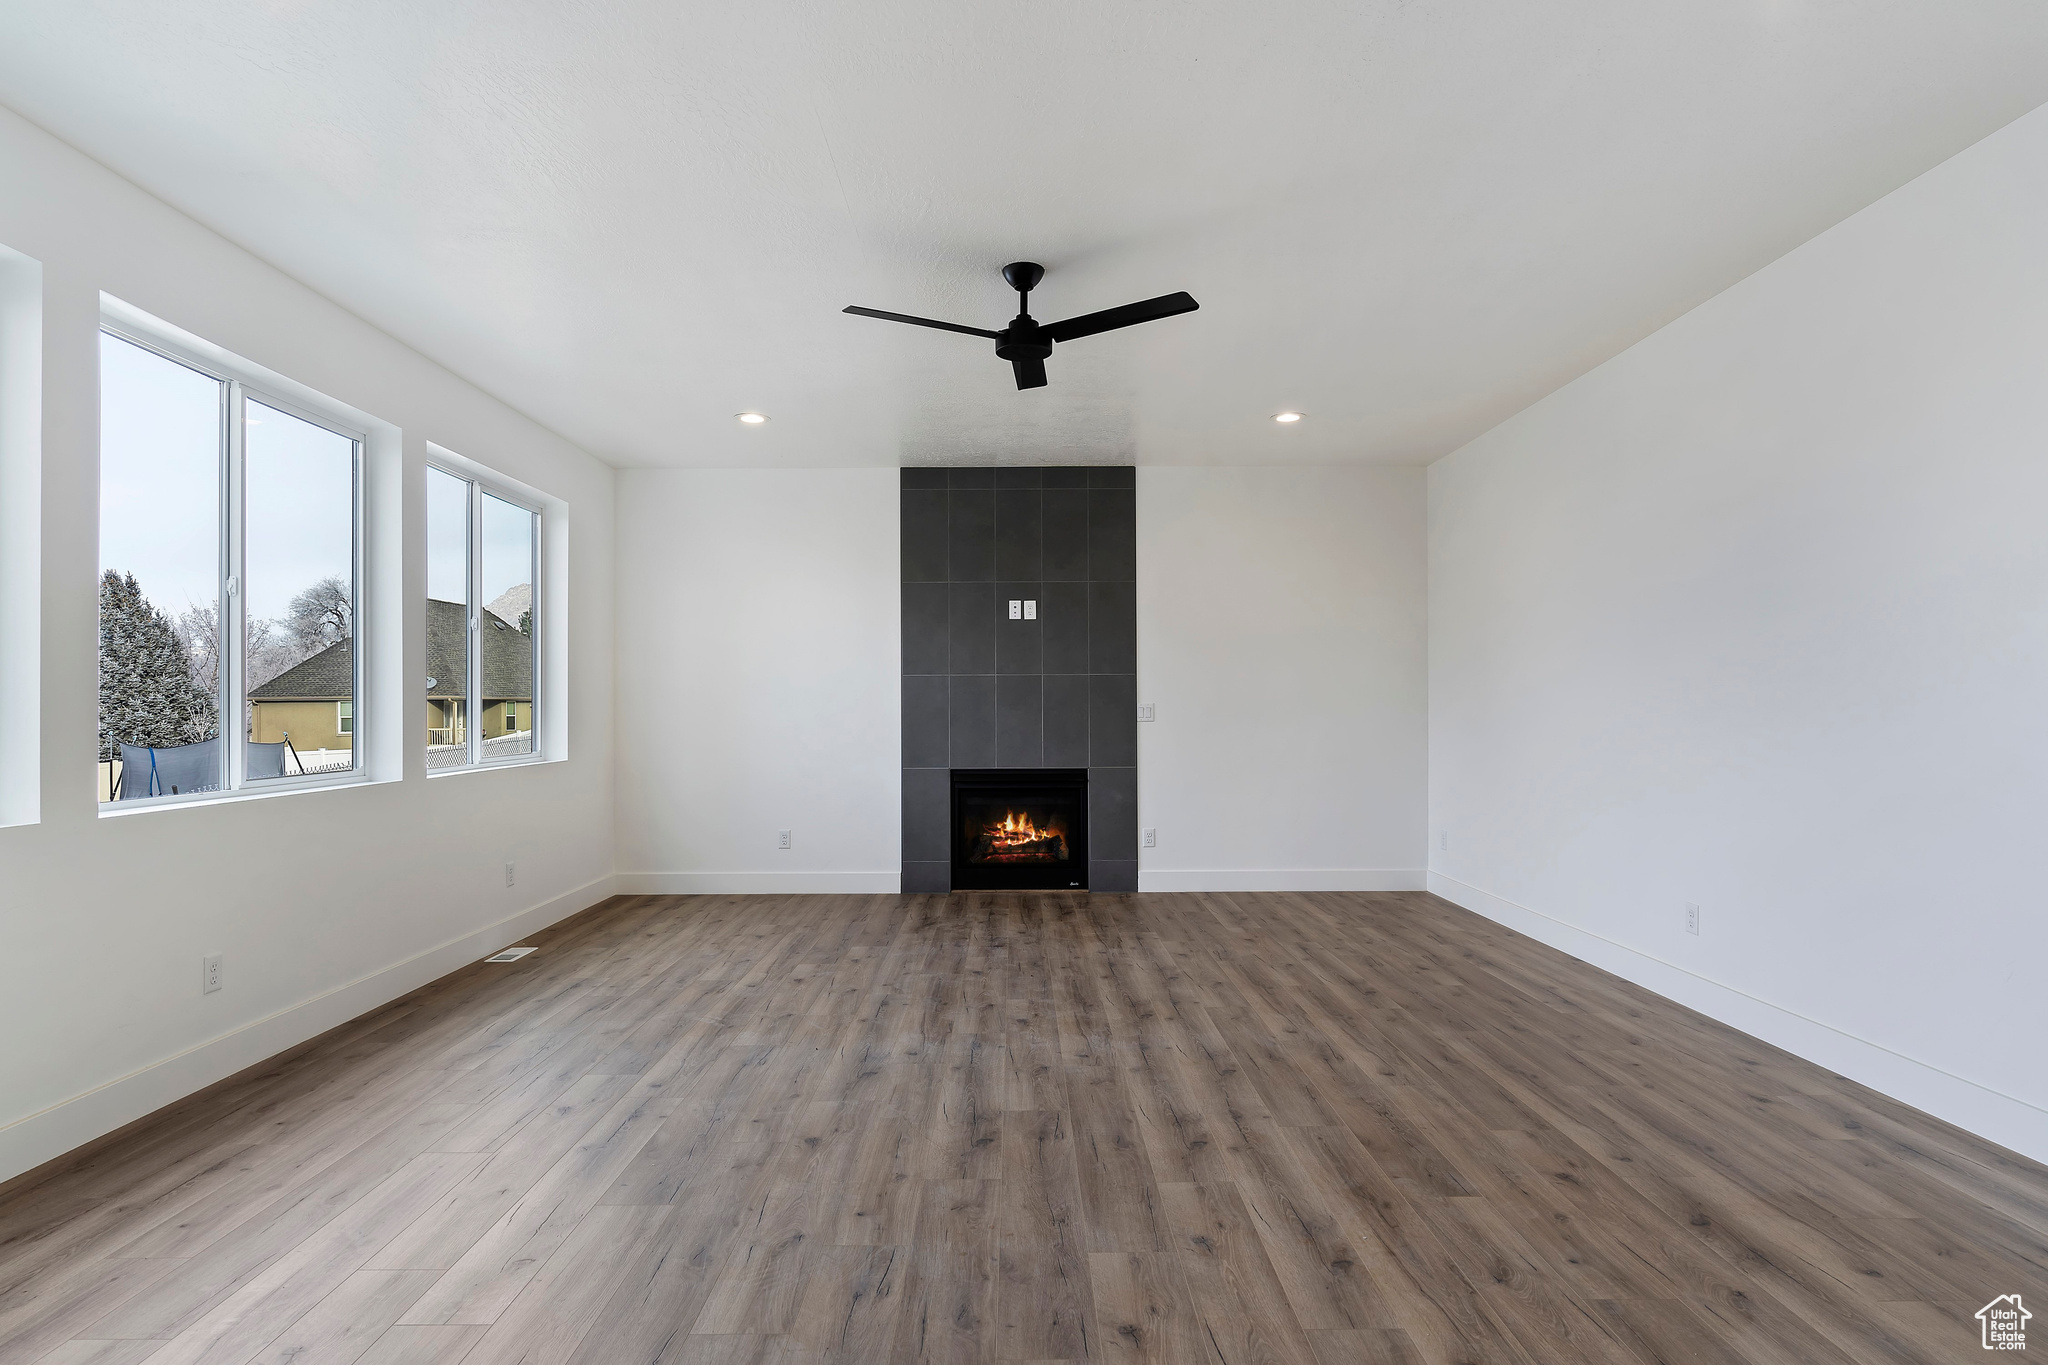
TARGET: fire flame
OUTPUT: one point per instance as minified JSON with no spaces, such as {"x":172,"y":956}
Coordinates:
{"x":1017,"y":829}
{"x":1021,"y":839}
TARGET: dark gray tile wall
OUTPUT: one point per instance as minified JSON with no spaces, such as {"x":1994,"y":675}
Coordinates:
{"x":983,"y":691}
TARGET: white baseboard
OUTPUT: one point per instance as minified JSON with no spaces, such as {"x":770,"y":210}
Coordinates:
{"x":29,"y":1141}
{"x":759,"y":883}
{"x":1968,"y":1104}
{"x":1282,"y":879}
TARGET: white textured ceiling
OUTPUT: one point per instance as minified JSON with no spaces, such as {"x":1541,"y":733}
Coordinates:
{"x":635,"y":219}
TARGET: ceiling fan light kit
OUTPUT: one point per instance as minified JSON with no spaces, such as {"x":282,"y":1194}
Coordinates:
{"x":1026,"y":342}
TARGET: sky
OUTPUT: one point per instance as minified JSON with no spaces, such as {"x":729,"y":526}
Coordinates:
{"x":447,"y":537}
{"x":159,"y":475}
{"x":298,"y":481}
{"x":508,"y":548}
{"x":160,"y":444}
{"x":508,"y":542}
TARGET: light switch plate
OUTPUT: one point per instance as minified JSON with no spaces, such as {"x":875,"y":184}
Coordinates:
{"x":1031,"y":609}
{"x":1016,"y":609}
{"x":1145,"y":710}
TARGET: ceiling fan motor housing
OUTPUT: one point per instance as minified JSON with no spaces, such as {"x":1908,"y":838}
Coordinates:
{"x":1024,"y":339}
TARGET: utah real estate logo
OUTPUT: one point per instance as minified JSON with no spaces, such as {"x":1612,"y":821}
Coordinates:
{"x":2005,"y":1323}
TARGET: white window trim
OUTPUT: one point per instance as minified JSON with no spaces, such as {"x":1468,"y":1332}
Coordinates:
{"x":243,"y":382}
{"x":473,"y":728}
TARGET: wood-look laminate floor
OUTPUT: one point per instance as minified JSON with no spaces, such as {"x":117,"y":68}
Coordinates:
{"x":1251,"y":1129}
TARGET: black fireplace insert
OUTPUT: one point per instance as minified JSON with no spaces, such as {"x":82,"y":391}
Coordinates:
{"x":1020,"y":829}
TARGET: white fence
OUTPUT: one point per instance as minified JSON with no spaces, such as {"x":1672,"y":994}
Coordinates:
{"x":504,"y":746}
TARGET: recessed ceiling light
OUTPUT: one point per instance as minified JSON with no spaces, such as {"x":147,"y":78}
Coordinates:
{"x":752,"y":419}
{"x":1287,"y":417}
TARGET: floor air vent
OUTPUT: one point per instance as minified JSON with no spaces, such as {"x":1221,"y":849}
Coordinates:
{"x":509,"y":955}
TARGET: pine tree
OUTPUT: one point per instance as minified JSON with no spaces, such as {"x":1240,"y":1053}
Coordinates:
{"x":147,"y":695}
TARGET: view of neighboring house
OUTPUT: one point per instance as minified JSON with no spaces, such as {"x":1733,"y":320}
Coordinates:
{"x":445,"y":676}
{"x":311,"y":704}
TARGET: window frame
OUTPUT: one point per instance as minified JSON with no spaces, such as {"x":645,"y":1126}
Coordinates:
{"x":480,"y":484}
{"x":239,"y":387}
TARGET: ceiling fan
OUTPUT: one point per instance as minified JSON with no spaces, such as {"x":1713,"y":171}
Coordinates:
{"x":1025,"y":343}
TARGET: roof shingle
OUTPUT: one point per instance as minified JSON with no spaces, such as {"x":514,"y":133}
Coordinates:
{"x":507,"y":663}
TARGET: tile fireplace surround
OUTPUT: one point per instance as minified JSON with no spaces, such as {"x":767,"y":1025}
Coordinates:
{"x":981,"y":690}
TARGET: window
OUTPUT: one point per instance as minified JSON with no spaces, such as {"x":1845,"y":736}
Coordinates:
{"x":483,"y":630}
{"x":229,"y":540}
{"x":300,"y":589}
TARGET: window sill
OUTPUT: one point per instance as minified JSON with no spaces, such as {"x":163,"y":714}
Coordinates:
{"x":528,"y":761}
{"x":297,"y":786}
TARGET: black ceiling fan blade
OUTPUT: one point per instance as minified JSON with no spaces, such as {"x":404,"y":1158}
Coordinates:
{"x":928,"y":322}
{"x":1129,"y":314}
{"x":1030,"y":373}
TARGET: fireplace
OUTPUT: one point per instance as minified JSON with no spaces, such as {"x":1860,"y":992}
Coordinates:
{"x":1020,"y":829}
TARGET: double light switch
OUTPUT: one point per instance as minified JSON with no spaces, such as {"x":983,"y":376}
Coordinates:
{"x":1024,"y":609}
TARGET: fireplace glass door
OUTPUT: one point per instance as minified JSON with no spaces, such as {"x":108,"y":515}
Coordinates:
{"x":1020,"y":829}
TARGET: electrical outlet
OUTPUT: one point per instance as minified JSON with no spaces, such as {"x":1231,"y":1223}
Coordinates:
{"x":1147,"y":710}
{"x":1151,"y":838}
{"x":1031,"y":609}
{"x":1692,"y":918}
{"x":209,"y":974}
{"x":782,"y":838}
{"x":509,"y":873}
{"x":1016,"y":609}
{"x":1443,"y":841}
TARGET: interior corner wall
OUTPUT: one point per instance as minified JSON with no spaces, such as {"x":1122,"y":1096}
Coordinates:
{"x":758,"y":680}
{"x":322,"y":904}
{"x":1281,"y":639}
{"x":1755,"y":617}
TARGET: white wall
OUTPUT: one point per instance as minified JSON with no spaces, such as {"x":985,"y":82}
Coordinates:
{"x":1280,"y":632}
{"x":323,"y":904}
{"x":1281,"y":637}
{"x":21,"y":502}
{"x":758,"y":680}
{"x":1756,"y":616}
